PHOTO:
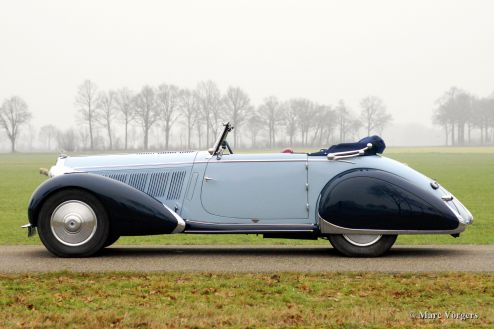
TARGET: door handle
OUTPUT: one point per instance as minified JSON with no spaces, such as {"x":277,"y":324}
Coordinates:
{"x":207,"y":179}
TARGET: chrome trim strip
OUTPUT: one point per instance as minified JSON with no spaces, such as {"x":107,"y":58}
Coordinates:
{"x":180,"y":221}
{"x":329,"y":228}
{"x":247,"y":231}
{"x":246,"y":224}
{"x":140,"y":165}
{"x":465,"y":221}
{"x":186,"y":163}
{"x":270,"y":160}
{"x":348,"y":154}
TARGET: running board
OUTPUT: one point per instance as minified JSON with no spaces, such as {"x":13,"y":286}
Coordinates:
{"x":202,"y":227}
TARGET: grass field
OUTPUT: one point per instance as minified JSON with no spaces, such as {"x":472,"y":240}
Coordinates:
{"x":209,"y":300}
{"x":466,"y":172}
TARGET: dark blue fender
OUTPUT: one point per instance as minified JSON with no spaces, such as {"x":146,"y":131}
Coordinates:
{"x":131,"y":211}
{"x":379,"y":200}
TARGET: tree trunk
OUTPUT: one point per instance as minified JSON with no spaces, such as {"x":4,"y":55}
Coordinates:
{"x":167,"y":134}
{"x":189,"y":133}
{"x":469,"y":136}
{"x":274,"y":136}
{"x":109,"y":137}
{"x":126,"y":132}
{"x":453,"y":134}
{"x":12,"y":145}
{"x":446,"y":133}
{"x":199,"y":136}
{"x":146,"y":131}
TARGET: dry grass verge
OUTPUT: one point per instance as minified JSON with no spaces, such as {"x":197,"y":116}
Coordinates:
{"x":207,"y":300}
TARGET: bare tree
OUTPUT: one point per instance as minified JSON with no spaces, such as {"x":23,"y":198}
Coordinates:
{"x":454,"y":109}
{"x":271,"y":112}
{"x":305,"y":116}
{"x":291,"y":119}
{"x":13,"y":114}
{"x":86,"y":100}
{"x":483,"y":117}
{"x":373,"y":115}
{"x":343,"y":119}
{"x":146,"y":111}
{"x":48,"y":134}
{"x":325,"y":121}
{"x":237,"y":105}
{"x":254,"y":123}
{"x":106,"y":113}
{"x":124,"y":102}
{"x":168,"y":102}
{"x":190,"y":111}
{"x":67,"y":140}
{"x":209,"y":97}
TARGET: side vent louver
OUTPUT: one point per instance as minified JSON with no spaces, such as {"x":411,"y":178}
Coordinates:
{"x":176,"y":185}
{"x":138,"y":181}
{"x":120,"y":177}
{"x":157,"y":183}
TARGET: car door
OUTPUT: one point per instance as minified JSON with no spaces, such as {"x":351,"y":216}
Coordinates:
{"x":256,"y":187}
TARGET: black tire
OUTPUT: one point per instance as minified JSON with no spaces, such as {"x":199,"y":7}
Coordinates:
{"x":73,"y":223}
{"x":111,"y":239}
{"x":377,"y":248}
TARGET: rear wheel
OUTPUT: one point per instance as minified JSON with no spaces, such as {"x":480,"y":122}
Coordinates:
{"x":73,"y":223}
{"x":362,"y":245}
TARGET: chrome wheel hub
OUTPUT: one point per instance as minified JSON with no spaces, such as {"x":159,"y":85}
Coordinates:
{"x":362,"y":240}
{"x":73,"y":223}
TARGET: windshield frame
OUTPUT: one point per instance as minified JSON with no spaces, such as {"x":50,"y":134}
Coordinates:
{"x":222,"y":137}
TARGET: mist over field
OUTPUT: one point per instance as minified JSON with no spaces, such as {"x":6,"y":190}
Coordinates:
{"x":286,"y":73}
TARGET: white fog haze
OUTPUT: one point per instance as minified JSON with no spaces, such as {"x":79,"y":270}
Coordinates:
{"x":408,"y":54}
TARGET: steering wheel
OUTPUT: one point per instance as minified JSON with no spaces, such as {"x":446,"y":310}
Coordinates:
{"x":225,"y":144}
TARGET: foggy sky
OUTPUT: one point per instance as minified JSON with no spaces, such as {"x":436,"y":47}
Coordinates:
{"x":406,"y":52}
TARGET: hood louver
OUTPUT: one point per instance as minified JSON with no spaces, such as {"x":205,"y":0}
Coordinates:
{"x":159,"y":184}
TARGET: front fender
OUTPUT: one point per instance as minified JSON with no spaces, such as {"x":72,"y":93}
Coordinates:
{"x":377,"y":200}
{"x":131,"y":211}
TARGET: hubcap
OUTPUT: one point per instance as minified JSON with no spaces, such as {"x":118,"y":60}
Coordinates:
{"x":362,"y":240}
{"x":73,"y":223}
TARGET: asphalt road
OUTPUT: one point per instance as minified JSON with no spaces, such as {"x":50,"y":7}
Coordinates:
{"x":21,"y":259}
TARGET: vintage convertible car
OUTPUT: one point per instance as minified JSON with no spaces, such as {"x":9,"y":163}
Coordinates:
{"x":348,"y":193}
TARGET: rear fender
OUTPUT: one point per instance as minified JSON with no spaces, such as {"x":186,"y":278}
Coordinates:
{"x":371,"y":200}
{"x":131,"y":211}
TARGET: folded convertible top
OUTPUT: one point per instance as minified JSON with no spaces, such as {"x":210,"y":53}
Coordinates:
{"x":378,"y":147}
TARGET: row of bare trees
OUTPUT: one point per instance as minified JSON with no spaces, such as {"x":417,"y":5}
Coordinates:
{"x":197,"y":114}
{"x":110,"y":119}
{"x":465,"y":118}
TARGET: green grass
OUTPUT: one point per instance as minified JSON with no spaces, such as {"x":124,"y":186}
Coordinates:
{"x":467,"y":172}
{"x":212,"y":300}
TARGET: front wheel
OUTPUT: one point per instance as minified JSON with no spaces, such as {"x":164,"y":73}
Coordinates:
{"x":73,"y":223}
{"x":362,"y":245}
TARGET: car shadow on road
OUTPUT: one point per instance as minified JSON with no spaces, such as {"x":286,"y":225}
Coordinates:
{"x":396,"y":252}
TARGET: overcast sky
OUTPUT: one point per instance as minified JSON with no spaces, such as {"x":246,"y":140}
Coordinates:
{"x":406,"y":52}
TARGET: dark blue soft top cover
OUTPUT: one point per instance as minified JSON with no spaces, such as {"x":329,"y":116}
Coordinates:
{"x":377,"y":142}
